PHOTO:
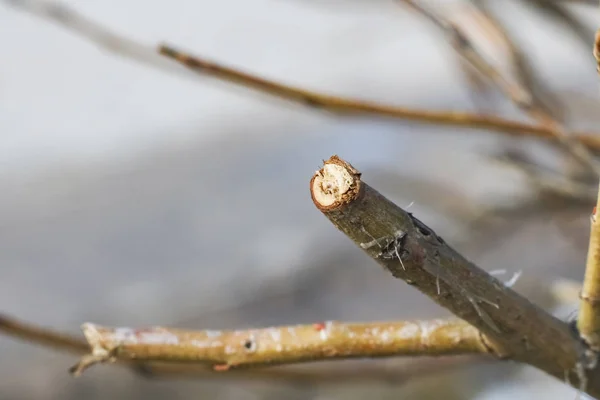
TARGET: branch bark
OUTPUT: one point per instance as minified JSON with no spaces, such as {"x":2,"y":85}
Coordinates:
{"x":391,"y":371}
{"x":225,"y":350}
{"x":411,"y":251}
{"x":588,"y":321}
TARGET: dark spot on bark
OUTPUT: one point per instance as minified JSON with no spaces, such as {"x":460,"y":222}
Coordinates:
{"x":395,"y":248}
{"x":311,"y":102}
{"x":420,"y":226}
{"x":250,"y":345}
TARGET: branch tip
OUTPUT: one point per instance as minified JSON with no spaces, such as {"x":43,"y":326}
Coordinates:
{"x":335,"y":184}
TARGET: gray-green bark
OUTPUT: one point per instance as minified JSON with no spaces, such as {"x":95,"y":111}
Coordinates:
{"x":515,"y":328}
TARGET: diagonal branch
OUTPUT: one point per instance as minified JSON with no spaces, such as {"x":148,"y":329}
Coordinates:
{"x":516,"y":92}
{"x":519,"y":64}
{"x":96,"y":33}
{"x":225,"y":350}
{"x":413,"y":252}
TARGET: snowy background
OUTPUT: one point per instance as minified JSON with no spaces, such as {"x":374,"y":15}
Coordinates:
{"x":132,"y":195}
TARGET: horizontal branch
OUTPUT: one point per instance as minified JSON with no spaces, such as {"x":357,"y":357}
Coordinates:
{"x":413,"y":252}
{"x":390,"y":371}
{"x":41,"y":336}
{"x":357,"y":107}
{"x":115,"y":43}
{"x":225,"y":350}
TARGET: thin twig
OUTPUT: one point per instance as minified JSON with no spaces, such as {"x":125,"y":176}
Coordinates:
{"x":41,"y":336}
{"x":596,"y":50}
{"x":588,"y":321}
{"x":413,"y":252}
{"x":122,"y":46}
{"x":225,"y":350}
{"x":547,"y":180}
{"x":356,"y":107}
{"x":517,"y":93}
{"x":543,"y":98}
{"x":559,"y":11}
{"x":520,"y":65}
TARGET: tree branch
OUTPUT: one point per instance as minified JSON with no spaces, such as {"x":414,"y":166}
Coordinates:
{"x":225,"y":350}
{"x":519,"y":94}
{"x":326,"y":373}
{"x":125,"y":47}
{"x":413,"y":252}
{"x":41,"y":336}
{"x":588,"y":321}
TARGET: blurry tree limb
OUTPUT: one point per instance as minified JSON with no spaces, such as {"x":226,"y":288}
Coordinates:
{"x":588,"y":321}
{"x":547,"y":180}
{"x":225,"y":350}
{"x":559,"y":11}
{"x":520,"y":64}
{"x":517,"y":93}
{"x":586,"y":2}
{"x":41,"y":336}
{"x":411,"y":251}
{"x":596,"y":50}
{"x":115,"y":43}
{"x":354,"y":107}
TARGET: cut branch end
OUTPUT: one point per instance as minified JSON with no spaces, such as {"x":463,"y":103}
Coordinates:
{"x":335,"y":184}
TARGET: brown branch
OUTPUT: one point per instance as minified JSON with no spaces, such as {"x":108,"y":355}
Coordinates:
{"x":517,"y":93}
{"x":588,"y":321}
{"x":41,"y":336}
{"x":520,"y":65}
{"x":542,"y":97}
{"x":225,"y":350}
{"x":559,"y":11}
{"x":125,"y":47}
{"x":357,"y":107}
{"x":411,"y":251}
{"x":391,"y":371}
